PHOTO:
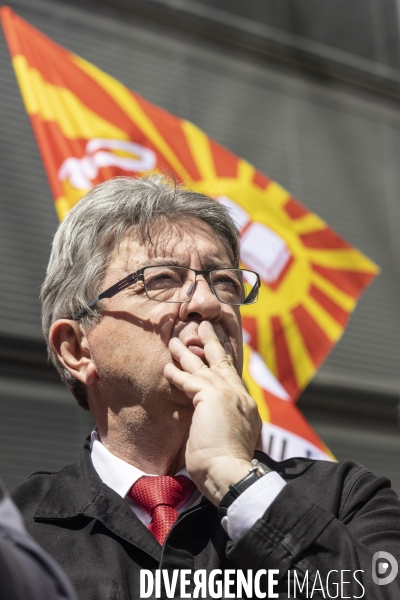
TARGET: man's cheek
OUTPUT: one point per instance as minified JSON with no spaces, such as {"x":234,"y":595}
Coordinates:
{"x":155,"y":356}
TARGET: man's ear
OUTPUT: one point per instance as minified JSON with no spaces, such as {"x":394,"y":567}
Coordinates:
{"x":68,"y":341}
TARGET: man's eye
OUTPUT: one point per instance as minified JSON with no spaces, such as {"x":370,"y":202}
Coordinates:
{"x":165,"y":278}
{"x":226,"y":281}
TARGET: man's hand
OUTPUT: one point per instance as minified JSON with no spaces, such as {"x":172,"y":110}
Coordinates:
{"x":225,"y":425}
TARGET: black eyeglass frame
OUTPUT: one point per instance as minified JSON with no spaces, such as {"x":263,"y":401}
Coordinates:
{"x":139,"y":276}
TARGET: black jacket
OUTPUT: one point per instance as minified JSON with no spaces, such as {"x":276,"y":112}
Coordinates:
{"x":330,"y":517}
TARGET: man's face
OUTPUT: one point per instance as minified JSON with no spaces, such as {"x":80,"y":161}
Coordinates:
{"x":129,"y":346}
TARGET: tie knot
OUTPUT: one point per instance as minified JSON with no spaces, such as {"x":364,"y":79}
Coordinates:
{"x":150,"y":492}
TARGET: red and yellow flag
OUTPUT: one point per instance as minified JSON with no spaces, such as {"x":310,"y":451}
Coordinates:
{"x":90,"y":127}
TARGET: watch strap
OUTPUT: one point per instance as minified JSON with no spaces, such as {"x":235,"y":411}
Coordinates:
{"x":257,"y":471}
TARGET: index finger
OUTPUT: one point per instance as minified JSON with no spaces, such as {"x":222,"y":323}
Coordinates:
{"x":216,"y":354}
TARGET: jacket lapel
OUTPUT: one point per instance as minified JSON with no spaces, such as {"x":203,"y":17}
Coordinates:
{"x":77,"y":492}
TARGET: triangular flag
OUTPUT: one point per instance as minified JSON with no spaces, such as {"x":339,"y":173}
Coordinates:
{"x":90,"y":127}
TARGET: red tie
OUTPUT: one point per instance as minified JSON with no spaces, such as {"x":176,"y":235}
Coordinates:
{"x":161,"y":497}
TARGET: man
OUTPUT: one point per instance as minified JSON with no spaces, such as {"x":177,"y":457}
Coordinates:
{"x":26,"y":571}
{"x":141,"y":313}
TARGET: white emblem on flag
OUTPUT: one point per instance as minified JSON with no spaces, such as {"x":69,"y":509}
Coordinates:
{"x":99,"y":153}
{"x":262,"y":249}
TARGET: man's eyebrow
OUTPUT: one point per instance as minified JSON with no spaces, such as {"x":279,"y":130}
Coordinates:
{"x":216,"y":264}
{"x":209,"y":264}
{"x":155,"y":262}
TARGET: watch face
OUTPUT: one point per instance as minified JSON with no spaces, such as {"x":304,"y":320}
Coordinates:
{"x":260,"y":468}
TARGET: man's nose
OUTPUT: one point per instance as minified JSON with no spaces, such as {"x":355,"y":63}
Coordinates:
{"x":203,"y":305}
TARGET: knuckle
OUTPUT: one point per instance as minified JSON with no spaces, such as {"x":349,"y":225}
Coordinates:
{"x":227,"y":362}
{"x":251,"y":404}
{"x":251,"y":409}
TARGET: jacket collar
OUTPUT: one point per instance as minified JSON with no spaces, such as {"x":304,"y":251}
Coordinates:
{"x":72,"y":491}
{"x":78,"y":492}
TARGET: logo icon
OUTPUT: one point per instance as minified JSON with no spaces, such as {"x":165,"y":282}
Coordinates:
{"x":103,"y":153}
{"x":384,"y":568}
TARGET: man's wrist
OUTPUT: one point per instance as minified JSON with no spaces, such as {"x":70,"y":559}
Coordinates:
{"x":256,"y":471}
{"x":222,"y":475}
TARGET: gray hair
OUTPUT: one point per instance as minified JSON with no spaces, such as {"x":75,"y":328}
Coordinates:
{"x":85,"y":240}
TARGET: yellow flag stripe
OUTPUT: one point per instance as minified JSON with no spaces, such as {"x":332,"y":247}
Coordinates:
{"x":328,"y":452}
{"x":245,"y":171}
{"x":338,"y":296}
{"x":303,"y":366}
{"x":200,"y":149}
{"x":253,"y":388}
{"x":134,"y":111}
{"x":308,"y":224}
{"x":60,"y":105}
{"x":266,"y":344}
{"x":265,"y":336}
{"x":63,"y":205}
{"x":71,"y":196}
{"x":348,"y":260}
{"x":332,"y":329}
{"x":276,"y":195}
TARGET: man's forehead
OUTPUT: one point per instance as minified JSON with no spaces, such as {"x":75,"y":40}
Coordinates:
{"x":172,"y":243}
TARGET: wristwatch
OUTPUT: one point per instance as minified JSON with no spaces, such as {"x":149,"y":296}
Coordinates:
{"x":257,"y":470}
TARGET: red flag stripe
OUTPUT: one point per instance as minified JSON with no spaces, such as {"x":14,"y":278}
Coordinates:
{"x":286,"y":374}
{"x":52,"y":150}
{"x":250,"y":325}
{"x":166,"y":124}
{"x":261,"y":180}
{"x":350,"y":282}
{"x":295,"y":210}
{"x":288,"y":417}
{"x":324,"y":238}
{"x":73,"y":78}
{"x":338,"y":313}
{"x":317,"y":342}
{"x":225,"y":162}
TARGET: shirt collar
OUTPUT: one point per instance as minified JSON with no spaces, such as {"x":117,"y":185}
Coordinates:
{"x":115,"y":472}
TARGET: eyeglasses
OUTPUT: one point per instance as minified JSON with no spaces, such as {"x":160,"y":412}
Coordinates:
{"x":166,"y":283}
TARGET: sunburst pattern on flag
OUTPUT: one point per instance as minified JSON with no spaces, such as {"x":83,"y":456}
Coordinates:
{"x":90,"y":127}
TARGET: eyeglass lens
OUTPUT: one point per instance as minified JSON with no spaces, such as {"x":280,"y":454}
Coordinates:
{"x":176,"y":284}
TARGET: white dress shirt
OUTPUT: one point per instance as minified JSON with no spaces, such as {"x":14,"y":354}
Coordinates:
{"x":242,"y":514}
